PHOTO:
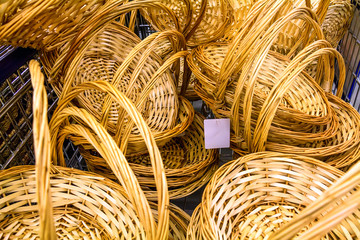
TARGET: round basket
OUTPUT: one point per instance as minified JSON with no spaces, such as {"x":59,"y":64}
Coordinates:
{"x":188,"y":165}
{"x":44,"y":24}
{"x":117,"y":55}
{"x":340,"y":151}
{"x":50,"y":202}
{"x":253,"y":196}
{"x":269,"y":97}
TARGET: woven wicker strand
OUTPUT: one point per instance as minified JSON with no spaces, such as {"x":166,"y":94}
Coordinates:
{"x":254,"y":196}
{"x":44,"y":24}
{"x":84,"y":205}
{"x":188,"y":166}
{"x":344,"y":199}
{"x":42,"y":153}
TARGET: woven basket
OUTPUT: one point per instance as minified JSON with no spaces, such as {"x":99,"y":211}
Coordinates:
{"x":44,"y":24}
{"x":249,"y":85}
{"x":337,"y":20}
{"x":73,"y":204}
{"x":188,"y":165}
{"x":340,"y":151}
{"x":337,"y":207}
{"x":117,"y":55}
{"x":207,"y":21}
{"x":253,"y":196}
{"x":200,"y":21}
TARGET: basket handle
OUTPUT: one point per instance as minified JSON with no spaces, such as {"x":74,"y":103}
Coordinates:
{"x":259,"y":52}
{"x":151,"y":42}
{"x":121,"y":137}
{"x":242,"y":46}
{"x":115,"y":158}
{"x":345,"y":191}
{"x":300,"y":62}
{"x":108,"y":12}
{"x":42,"y":152}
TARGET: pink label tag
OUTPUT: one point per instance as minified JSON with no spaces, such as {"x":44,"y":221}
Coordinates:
{"x":217,"y":133}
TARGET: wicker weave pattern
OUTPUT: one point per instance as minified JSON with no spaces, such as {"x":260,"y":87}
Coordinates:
{"x":188,"y":165}
{"x":117,"y":55}
{"x":250,"y":198}
{"x":44,"y":24}
{"x":337,"y":20}
{"x":85,"y":205}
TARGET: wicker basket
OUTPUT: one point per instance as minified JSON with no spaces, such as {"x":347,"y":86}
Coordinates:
{"x":337,"y":207}
{"x":200,"y":21}
{"x":70,"y":203}
{"x":337,"y":20}
{"x":44,"y":24}
{"x":117,"y":55}
{"x":207,"y":21}
{"x":188,"y":165}
{"x":253,"y":196}
{"x":250,"y":85}
{"x":202,"y":162}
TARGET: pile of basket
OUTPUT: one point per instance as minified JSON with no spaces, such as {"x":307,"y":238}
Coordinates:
{"x":268,"y":65}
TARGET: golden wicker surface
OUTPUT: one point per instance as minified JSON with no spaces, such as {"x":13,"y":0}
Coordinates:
{"x":83,"y":204}
{"x":253,"y":196}
{"x":188,"y":165}
{"x":44,"y":24}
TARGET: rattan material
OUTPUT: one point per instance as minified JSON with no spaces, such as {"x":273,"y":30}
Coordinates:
{"x":117,"y":55}
{"x":337,"y":20}
{"x":253,"y":196}
{"x":188,"y":165}
{"x":44,"y":24}
{"x":200,"y":21}
{"x":85,"y":205}
{"x":268,"y":107}
{"x":339,"y":205}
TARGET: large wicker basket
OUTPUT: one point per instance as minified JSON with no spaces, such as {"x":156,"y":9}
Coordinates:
{"x":54,"y":201}
{"x":253,"y":196}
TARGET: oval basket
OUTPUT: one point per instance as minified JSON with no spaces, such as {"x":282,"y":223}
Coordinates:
{"x":50,"y":202}
{"x":188,"y":165}
{"x":117,"y":55}
{"x":253,"y":196}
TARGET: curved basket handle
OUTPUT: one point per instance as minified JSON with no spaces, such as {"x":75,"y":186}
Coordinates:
{"x":150,"y":44}
{"x":259,"y":52}
{"x":115,"y":158}
{"x":344,"y":191}
{"x":108,"y":12}
{"x":121,"y":137}
{"x":42,"y":152}
{"x":297,"y":65}
{"x":243,"y":45}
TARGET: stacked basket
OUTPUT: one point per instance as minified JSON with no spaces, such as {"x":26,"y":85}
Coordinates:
{"x":268,"y":65}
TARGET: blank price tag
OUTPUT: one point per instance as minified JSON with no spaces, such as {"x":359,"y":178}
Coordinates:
{"x":217,"y":133}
